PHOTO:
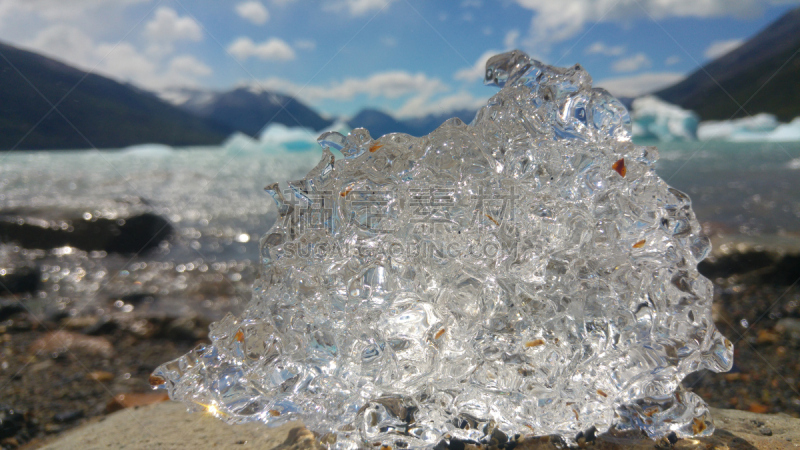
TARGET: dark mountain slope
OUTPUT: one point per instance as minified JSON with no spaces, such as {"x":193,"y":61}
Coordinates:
{"x":763,"y":75}
{"x":107,"y":113}
{"x":250,"y":109}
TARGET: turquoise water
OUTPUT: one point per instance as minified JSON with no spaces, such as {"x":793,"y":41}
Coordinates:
{"x":215,"y":197}
{"x":747,"y":188}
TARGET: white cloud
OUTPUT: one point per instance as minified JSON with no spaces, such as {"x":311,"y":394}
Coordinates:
{"x":122,"y":61}
{"x":166,"y":27}
{"x":632,"y":63}
{"x":422,"y":94}
{"x":189,"y":65}
{"x":600,"y":48}
{"x":273,"y":49}
{"x":391,"y":85}
{"x":719,"y":48}
{"x":672,"y":60}
{"x":66,"y":43}
{"x":511,"y":38}
{"x":58,"y":9}
{"x":420,"y":106}
{"x":555,"y":21}
{"x":305,"y":44}
{"x":477,"y":70}
{"x":253,"y":11}
{"x":634,"y":86}
{"x":359,"y":7}
{"x":389,"y":41}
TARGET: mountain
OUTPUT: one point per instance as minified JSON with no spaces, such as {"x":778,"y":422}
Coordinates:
{"x":248,"y":109}
{"x":762,"y":74}
{"x":105,"y":113}
{"x":379,"y":123}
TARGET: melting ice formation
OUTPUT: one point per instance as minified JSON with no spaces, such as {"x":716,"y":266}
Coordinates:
{"x":528,"y":274}
{"x":761,"y":127}
{"x":656,"y":119}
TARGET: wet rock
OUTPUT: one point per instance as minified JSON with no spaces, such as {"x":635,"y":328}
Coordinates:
{"x":186,"y":328}
{"x":80,"y":322}
{"x":22,"y":280}
{"x":734,"y":264}
{"x":789,"y":327}
{"x":759,"y":260}
{"x":48,"y":229}
{"x":68,"y":416}
{"x":57,"y":342}
{"x":135,"y":400}
{"x":103,"y":325}
{"x":785,"y":272}
{"x":9,"y":307}
{"x":11,"y":421}
{"x":100,"y":375}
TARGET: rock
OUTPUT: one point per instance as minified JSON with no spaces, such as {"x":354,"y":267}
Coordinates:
{"x":11,"y":421}
{"x":10,"y":442}
{"x":100,"y":375}
{"x":135,"y":400}
{"x":790,"y":327}
{"x":168,"y":425}
{"x":186,"y":328}
{"x":68,"y":416}
{"x":57,"y":342}
{"x":22,"y":280}
{"x":48,"y":229}
{"x":9,"y":307}
{"x":767,"y":259}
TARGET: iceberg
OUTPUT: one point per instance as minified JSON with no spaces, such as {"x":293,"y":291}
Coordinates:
{"x":655,"y":119}
{"x":747,"y":128}
{"x":526,"y":274}
{"x":786,"y":132}
{"x":761,"y":127}
{"x":148,"y":150}
{"x":279,"y":136}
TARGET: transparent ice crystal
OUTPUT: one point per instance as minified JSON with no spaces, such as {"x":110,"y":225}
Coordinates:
{"x":526,"y":274}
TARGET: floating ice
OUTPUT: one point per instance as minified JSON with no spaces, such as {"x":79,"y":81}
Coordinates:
{"x":760,"y":127}
{"x":654,"y":118}
{"x":276,"y":135}
{"x":525,"y":274}
{"x":148,"y":150}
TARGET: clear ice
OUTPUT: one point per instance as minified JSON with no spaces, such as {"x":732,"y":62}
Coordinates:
{"x":528,"y":273}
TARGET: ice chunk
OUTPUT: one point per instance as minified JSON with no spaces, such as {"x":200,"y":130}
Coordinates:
{"x":529,"y":273}
{"x":656,"y":119}
{"x":786,"y":132}
{"x":240,"y":141}
{"x":727,"y":130}
{"x":148,"y":150}
{"x":761,"y":127}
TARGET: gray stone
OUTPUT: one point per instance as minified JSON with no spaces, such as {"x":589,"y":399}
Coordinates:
{"x":169,"y":426}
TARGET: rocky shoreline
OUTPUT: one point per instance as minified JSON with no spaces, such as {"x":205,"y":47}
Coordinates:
{"x":80,"y":332}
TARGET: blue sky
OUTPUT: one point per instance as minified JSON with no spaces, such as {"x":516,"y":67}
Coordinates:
{"x":407,"y":57}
